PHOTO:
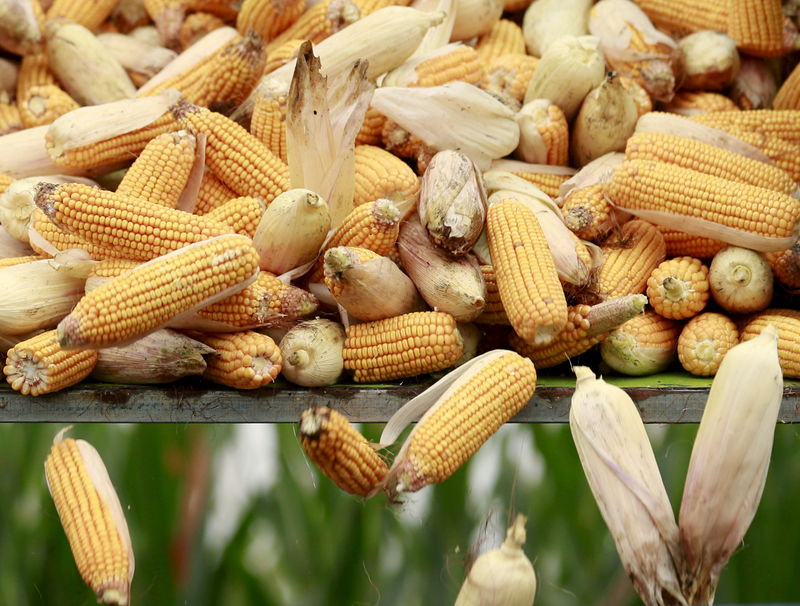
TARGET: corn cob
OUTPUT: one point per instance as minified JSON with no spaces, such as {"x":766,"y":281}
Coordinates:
{"x":182,"y":281}
{"x":682,"y":244}
{"x":244,"y":360}
{"x":708,"y":159}
{"x":38,"y":365}
{"x":160,"y":173}
{"x":341,"y":453}
{"x":46,"y":239}
{"x":43,"y":104}
{"x":34,"y":70}
{"x":526,"y":274}
{"x":89,"y":14}
{"x":588,"y":213}
{"x":704,"y":341}
{"x":758,"y":28}
{"x":678,"y":288}
{"x":472,"y":409}
{"x":680,"y":17}
{"x":222,"y":80}
{"x":741,"y":214}
{"x":493,"y":311}
{"x":438,"y":66}
{"x":235,"y":156}
{"x":10,"y":119}
{"x":788,"y":95}
{"x":212,"y":194}
{"x":268,"y":122}
{"x":787,"y":323}
{"x":508,"y":76}
{"x":505,"y":37}
{"x":11,"y":261}
{"x":587,"y":325}
{"x":403,"y":346}
{"x":268,"y":19}
{"x":92,"y":518}
{"x":371,"y":129}
{"x":778,"y":122}
{"x":379,"y":174}
{"x":403,"y":144}
{"x":644,"y":345}
{"x":629,"y":258}
{"x":544,"y":136}
{"x":319,"y":22}
{"x":785,"y":266}
{"x":241,"y":214}
{"x":281,"y":55}
{"x":111,"y":268}
{"x":196,"y":26}
{"x":119,"y":222}
{"x":690,"y":103}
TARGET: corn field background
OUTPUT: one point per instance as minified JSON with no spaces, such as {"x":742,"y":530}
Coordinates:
{"x":235,"y":515}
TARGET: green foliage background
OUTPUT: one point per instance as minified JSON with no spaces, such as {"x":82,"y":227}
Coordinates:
{"x":302,"y":541}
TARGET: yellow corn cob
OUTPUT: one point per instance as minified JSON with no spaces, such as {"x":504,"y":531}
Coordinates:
{"x":493,"y":311}
{"x":38,"y":365}
{"x":785,"y":154}
{"x":642,"y":185}
{"x":111,"y":268}
{"x":693,"y":102}
{"x":281,"y":55}
{"x":213,"y":193}
{"x":268,"y":19}
{"x":787,"y":321}
{"x":404,"y":346}
{"x":9,"y":261}
{"x":345,"y":456}
{"x":645,"y":344}
{"x":788,"y":95}
{"x":92,"y":518}
{"x":683,"y":244}
{"x":379,"y":174}
{"x":526,"y":273}
{"x":43,"y":104}
{"x":235,"y":156}
{"x":785,"y":266}
{"x":89,"y":13}
{"x":160,"y":173}
{"x":466,"y":415}
{"x":678,"y":288}
{"x":289,"y":301}
{"x":629,"y":258}
{"x":128,"y":227}
{"x":368,"y":7}
{"x":55,"y":238}
{"x":716,"y":161}
{"x":588,"y":213}
{"x":5,"y":181}
{"x":461,"y":63}
{"x":587,"y":325}
{"x":168,"y":15}
{"x":268,"y":122}
{"x":10,"y":120}
{"x":685,"y":16}
{"x":34,"y":70}
{"x":781,"y":123}
{"x":351,"y":255}
{"x":704,"y":341}
{"x":159,"y":290}
{"x":640,"y":96}
{"x":758,"y":27}
{"x":244,"y":360}
{"x":222,"y":80}
{"x":371,"y":128}
{"x":196,"y":26}
{"x":508,"y":76}
{"x":505,"y":37}
{"x":241,"y":214}
{"x":319,"y":22}
{"x":550,"y":133}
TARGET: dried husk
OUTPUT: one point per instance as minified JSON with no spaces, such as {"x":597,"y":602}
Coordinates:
{"x":23,"y":154}
{"x":740,"y":280}
{"x":141,"y":60}
{"x":545,"y":21}
{"x":11,"y":247}
{"x":754,"y":86}
{"x":596,"y":171}
{"x":19,"y":27}
{"x":710,"y":60}
{"x":312,"y":353}
{"x":474,"y":18}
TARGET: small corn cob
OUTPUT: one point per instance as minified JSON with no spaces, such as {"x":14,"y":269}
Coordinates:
{"x":526,"y":273}
{"x":543,"y":177}
{"x":34,"y":70}
{"x":268,"y":122}
{"x":682,"y":244}
{"x":212,"y":194}
{"x":268,"y":19}
{"x":118,"y":222}
{"x":196,"y":26}
{"x":508,"y":76}
{"x":543,"y":133}
{"x":89,"y":14}
{"x":345,"y":456}
{"x":155,"y":292}
{"x":505,"y":37}
{"x":244,"y":360}
{"x":678,"y":288}
{"x":587,"y":325}
{"x":588,"y":213}
{"x":379,"y":174}
{"x":472,"y":409}
{"x":38,"y":365}
{"x":758,"y":28}
{"x":241,"y":214}
{"x":690,"y":103}
{"x":785,"y":266}
{"x":493,"y":310}
{"x":43,"y":104}
{"x":403,"y":346}
{"x":708,"y":159}
{"x":281,"y":55}
{"x":756,"y":217}
{"x":644,"y":345}
{"x":787,"y":323}
{"x":704,"y":341}
{"x":629,"y":258}
{"x":92,"y":518}
{"x":319,"y":22}
{"x":160,"y":173}
{"x":235,"y":156}
{"x":10,"y":119}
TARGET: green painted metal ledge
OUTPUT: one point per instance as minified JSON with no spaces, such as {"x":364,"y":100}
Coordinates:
{"x":667,"y":398}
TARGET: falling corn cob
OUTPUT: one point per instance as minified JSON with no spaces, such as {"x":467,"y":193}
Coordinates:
{"x":92,"y":518}
{"x":268,"y":19}
{"x":787,"y":323}
{"x":403,"y":346}
{"x":526,"y":274}
{"x":629,"y":258}
{"x":38,"y":365}
{"x":487,"y":394}
{"x":155,"y":292}
{"x":678,"y":288}
{"x":644,"y":345}
{"x":243,"y":360}
{"x":704,"y":341}
{"x":340,"y":452}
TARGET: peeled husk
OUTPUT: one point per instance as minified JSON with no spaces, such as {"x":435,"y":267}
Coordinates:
{"x":474,"y":18}
{"x":312,"y":353}
{"x":11,"y":247}
{"x":754,"y":86}
{"x":141,"y":60}
{"x":545,"y":21}
{"x":741,"y":280}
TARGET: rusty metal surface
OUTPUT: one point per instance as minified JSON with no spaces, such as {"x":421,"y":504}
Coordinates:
{"x":207,"y":403}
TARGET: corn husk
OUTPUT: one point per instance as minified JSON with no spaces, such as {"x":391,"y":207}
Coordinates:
{"x":502,"y":576}
{"x":474,"y":18}
{"x":129,"y":14}
{"x":9,"y":72}
{"x":140,"y":60}
{"x":451,"y":284}
{"x":754,"y":87}
{"x":621,"y":469}
{"x":291,"y":230}
{"x":596,"y":171}
{"x":312,"y":353}
{"x":571,"y":67}
{"x":11,"y":247}
{"x":88,"y":72}
{"x":148,"y":34}
{"x":19,"y":27}
{"x":471,"y":335}
{"x":741,"y":280}
{"x":710,"y":60}
{"x":478,"y":125}
{"x":452,"y":201}
{"x":533,"y":118}
{"x":729,"y":462}
{"x":23,"y":154}
{"x":644,"y":345}
{"x":163,"y":356}
{"x":545,"y":21}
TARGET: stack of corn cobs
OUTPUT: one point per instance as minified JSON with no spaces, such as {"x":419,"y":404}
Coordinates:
{"x":242,"y":189}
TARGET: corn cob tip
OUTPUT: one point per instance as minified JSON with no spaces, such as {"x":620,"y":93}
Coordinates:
{"x":41,"y":197}
{"x":67,"y":333}
{"x":182,"y":108}
{"x":313,"y":420}
{"x":582,"y":374}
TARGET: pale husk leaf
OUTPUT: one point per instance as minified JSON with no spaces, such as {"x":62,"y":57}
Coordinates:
{"x":312,"y":353}
{"x":547,"y":20}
